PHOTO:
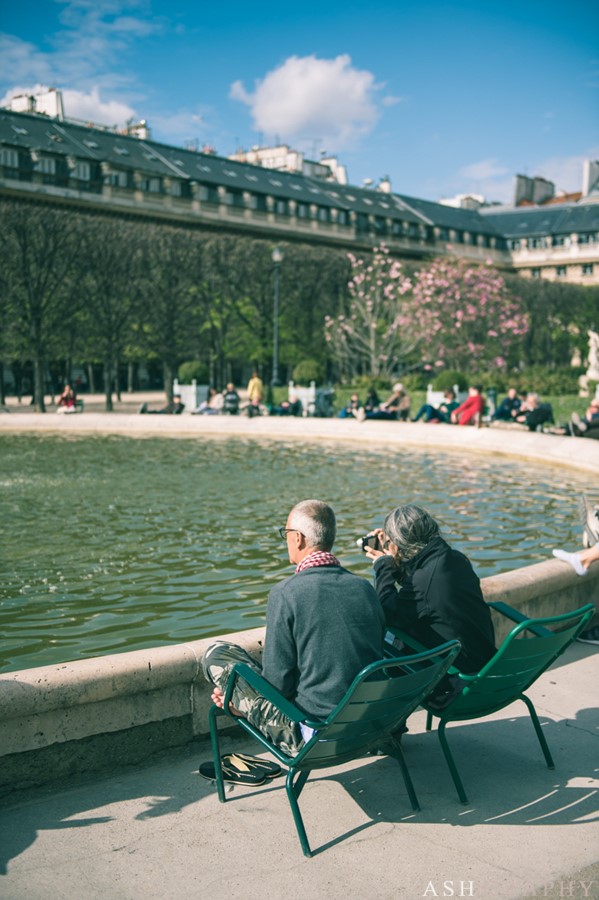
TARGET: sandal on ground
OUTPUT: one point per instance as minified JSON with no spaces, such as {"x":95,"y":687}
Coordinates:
{"x":243,"y":762}
{"x":233,"y":775}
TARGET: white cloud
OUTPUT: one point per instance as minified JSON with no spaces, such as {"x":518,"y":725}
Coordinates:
{"x":87,"y":51}
{"x":483,"y":171}
{"x":311,"y":98}
{"x":80,"y":105}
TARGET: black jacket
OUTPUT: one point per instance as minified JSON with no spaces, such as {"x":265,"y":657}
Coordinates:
{"x":436,"y":597}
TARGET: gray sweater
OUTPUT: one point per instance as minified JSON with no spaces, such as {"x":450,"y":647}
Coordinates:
{"x":323,"y":626}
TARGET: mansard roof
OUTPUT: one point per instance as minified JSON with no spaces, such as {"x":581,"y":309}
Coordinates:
{"x":449,"y":216}
{"x":534,"y":221}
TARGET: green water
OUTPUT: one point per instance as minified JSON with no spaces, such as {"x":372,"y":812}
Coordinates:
{"x":111,"y":543}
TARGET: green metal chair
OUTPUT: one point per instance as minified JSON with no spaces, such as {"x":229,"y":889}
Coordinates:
{"x":527,"y":651}
{"x":379,"y":700}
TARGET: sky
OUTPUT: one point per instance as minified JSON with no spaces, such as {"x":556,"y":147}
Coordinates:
{"x":443,"y":99}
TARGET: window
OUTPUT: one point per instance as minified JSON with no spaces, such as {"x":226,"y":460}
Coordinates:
{"x":9,"y":158}
{"x":588,"y":238}
{"x":82,"y":171}
{"x":259,"y":203}
{"x":362,"y":224}
{"x":414,"y":232}
{"x":151,"y":185}
{"x":514,"y":244}
{"x":282,"y":207}
{"x":302,"y":211}
{"x":342,"y":217}
{"x":458,"y":237}
{"x":560,"y":271}
{"x":120,"y":179}
{"x":587,"y":268}
{"x":443,"y":232}
{"x":234,"y":198}
{"x":47,"y":165}
{"x":474,"y":240}
{"x":208,"y":193}
{"x":380,"y":225}
{"x":323,"y":214}
{"x":535,"y":273}
{"x":397,"y":228}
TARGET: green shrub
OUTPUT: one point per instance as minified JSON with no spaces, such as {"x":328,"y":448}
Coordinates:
{"x":416,"y":381}
{"x":563,"y":380}
{"x":308,"y":370}
{"x":192,"y":370}
{"x":365,"y":382}
{"x":448,"y":378}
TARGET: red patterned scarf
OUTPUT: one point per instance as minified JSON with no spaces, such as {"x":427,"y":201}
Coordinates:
{"x":318,"y":558}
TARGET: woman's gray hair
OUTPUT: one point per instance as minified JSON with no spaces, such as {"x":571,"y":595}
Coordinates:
{"x":316,"y":521}
{"x":411,"y":528}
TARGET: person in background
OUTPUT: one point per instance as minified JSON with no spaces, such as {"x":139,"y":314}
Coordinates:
{"x":67,"y":402}
{"x":372,"y":401}
{"x":533,"y":413}
{"x":255,"y":394}
{"x":442,"y":413}
{"x":174,"y":408}
{"x":397,"y":406}
{"x":471,"y":410}
{"x":351,"y":410}
{"x":230,"y":400}
{"x":587,"y":426}
{"x":508,"y":407}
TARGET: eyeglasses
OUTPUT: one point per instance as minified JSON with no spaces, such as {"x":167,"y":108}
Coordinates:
{"x":284,"y":531}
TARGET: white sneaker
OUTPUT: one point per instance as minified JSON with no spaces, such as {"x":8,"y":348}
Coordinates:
{"x":589,"y":637}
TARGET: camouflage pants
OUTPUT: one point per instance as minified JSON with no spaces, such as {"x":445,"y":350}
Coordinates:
{"x":217,"y":665}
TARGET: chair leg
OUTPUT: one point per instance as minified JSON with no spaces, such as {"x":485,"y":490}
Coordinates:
{"x":293,"y":792}
{"x":429,"y":721}
{"x":218,"y":772}
{"x":450,"y":762}
{"x":539,"y":731}
{"x":394,"y":750}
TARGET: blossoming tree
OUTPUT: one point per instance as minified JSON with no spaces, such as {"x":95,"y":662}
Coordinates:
{"x":376,"y":332}
{"x":474,"y":319}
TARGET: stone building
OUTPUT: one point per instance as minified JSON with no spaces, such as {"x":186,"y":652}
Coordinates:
{"x":84,"y":166}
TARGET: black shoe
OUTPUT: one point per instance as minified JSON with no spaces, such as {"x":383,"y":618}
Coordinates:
{"x":234,"y":775}
{"x":243,"y":762}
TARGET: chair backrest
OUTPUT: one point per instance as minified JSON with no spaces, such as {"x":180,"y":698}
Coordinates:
{"x":517,"y":664}
{"x":380,"y":698}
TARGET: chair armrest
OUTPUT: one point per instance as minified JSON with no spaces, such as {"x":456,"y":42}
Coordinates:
{"x":510,"y":613}
{"x":255,"y":680}
{"x":413,"y":644}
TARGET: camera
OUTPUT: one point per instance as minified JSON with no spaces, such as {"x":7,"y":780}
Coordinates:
{"x":369,"y":540}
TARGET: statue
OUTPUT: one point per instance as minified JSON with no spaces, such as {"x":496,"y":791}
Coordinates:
{"x":593,"y":369}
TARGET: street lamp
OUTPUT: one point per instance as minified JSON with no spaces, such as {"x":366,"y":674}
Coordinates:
{"x":277,"y":259}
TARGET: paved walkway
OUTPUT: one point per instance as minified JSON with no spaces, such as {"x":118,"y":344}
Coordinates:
{"x":159,"y":831}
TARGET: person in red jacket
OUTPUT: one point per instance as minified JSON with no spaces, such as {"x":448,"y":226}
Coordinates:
{"x":471,"y":410}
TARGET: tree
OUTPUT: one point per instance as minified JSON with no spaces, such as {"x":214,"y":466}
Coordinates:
{"x":108,"y":291}
{"x":471,"y":316}
{"x":40,"y":248}
{"x":377,"y":330}
{"x":170,"y":311}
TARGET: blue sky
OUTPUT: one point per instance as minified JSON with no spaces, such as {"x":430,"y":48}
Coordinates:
{"x":442,"y":98}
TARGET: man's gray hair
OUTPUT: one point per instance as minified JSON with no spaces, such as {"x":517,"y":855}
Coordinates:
{"x":411,"y":528}
{"x":316,"y":521}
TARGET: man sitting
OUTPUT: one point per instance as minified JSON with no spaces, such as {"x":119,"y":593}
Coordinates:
{"x":323,"y":625}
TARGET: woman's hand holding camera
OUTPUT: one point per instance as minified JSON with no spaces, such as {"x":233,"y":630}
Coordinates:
{"x":382,"y":546}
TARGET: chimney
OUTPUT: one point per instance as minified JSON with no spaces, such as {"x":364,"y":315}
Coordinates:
{"x":385,"y":185}
{"x":542,"y":190}
{"x":523,"y":186}
{"x":590,"y":176}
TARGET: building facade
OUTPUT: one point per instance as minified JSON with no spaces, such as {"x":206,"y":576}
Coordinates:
{"x":86,"y":167}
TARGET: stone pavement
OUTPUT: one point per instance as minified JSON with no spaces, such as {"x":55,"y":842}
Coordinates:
{"x":158,"y":831}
